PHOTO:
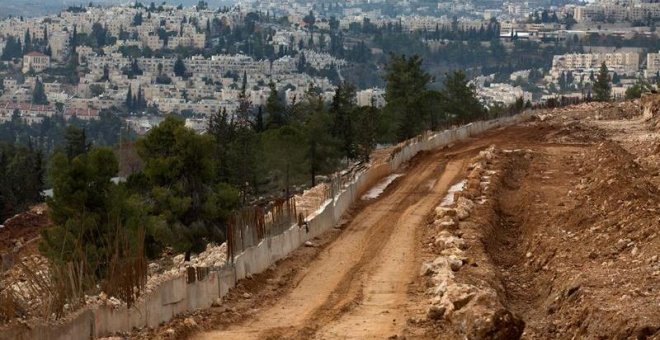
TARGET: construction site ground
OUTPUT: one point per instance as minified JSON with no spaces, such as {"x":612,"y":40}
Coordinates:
{"x":565,"y":239}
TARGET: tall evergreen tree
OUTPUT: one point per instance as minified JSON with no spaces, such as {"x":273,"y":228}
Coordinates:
{"x":259,"y":125}
{"x":602,"y":86}
{"x":179,"y":166}
{"x":460,"y":98}
{"x":129,"y":98}
{"x":76,"y":142}
{"x":179,"y":67}
{"x":342,"y":110}
{"x":275,"y":108}
{"x":406,"y":93}
{"x":39,"y":93}
{"x":27,"y":42}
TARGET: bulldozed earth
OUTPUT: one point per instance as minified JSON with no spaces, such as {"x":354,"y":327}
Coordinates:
{"x":548,"y":229}
{"x":544,"y":230}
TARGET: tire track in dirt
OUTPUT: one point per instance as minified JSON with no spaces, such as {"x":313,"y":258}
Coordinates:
{"x":373,"y":260}
{"x":384,"y":284}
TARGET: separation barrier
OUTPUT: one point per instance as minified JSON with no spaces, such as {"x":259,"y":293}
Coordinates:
{"x":198,"y":291}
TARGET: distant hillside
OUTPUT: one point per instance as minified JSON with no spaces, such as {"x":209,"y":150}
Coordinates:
{"x":35,"y":7}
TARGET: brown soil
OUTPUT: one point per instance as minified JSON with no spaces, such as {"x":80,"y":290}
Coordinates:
{"x":566,"y":241}
{"x":23,"y":228}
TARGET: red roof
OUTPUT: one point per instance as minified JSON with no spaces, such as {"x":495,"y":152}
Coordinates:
{"x":35,"y":54}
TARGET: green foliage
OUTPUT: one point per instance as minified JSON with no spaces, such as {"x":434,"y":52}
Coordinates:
{"x":81,"y":186}
{"x":76,"y":142}
{"x":636,"y":91}
{"x":406,"y":95}
{"x":460,"y":98}
{"x":179,"y":68}
{"x":13,"y":49}
{"x":21,"y":178}
{"x":39,"y":94}
{"x":98,"y":225}
{"x":368,"y":119}
{"x":180,"y":170}
{"x":284,"y":151}
{"x":602,"y":86}
{"x":342,"y":112}
{"x":96,"y":90}
{"x":275,"y":109}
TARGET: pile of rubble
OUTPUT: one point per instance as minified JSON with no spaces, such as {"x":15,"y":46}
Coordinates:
{"x":26,"y":284}
{"x":215,"y":256}
{"x":651,"y":111}
{"x":475,"y":309}
{"x":626,"y":204}
{"x":23,"y":228}
{"x":592,"y":111}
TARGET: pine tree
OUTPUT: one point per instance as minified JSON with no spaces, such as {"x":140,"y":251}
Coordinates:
{"x":179,"y":68}
{"x":39,"y":94}
{"x":244,"y":84}
{"x":602,"y":86}
{"x":259,"y":125}
{"x":129,"y":98}
{"x":366,"y":132}
{"x":405,"y":94}
{"x":179,"y":165}
{"x":275,"y":109}
{"x":76,"y":142}
{"x":74,"y":40}
{"x":342,"y":109}
{"x":27,"y":42}
{"x":140,"y":102}
{"x":460,"y":98}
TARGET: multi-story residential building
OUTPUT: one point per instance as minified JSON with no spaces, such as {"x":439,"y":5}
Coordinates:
{"x":502,"y":94}
{"x":617,"y":11}
{"x":620,"y":63}
{"x":35,"y":61}
{"x":652,"y":65}
{"x":371,"y":97}
{"x":59,"y":45}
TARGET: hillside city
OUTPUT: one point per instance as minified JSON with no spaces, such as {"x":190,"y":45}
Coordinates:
{"x":192,"y":60}
{"x":326,"y":169}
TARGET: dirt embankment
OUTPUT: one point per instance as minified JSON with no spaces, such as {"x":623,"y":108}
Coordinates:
{"x":565,"y":244}
{"x":552,"y":231}
{"x":23,"y":228}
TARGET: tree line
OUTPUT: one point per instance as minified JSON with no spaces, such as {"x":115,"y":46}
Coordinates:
{"x":189,"y":184}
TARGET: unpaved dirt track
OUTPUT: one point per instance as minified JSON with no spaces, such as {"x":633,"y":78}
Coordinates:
{"x":562,"y":242}
{"x":357,"y":287}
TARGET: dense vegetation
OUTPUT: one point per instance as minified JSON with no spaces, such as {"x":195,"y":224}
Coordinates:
{"x":25,"y":149}
{"x":182,"y":196}
{"x":22,"y":170}
{"x":183,"y":187}
{"x":49,"y":133}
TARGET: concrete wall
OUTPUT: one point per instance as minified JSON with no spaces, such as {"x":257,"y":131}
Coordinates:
{"x":177,"y":296}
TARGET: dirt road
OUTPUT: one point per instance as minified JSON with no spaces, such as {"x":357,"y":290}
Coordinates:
{"x":357,"y":287}
{"x":561,"y":242}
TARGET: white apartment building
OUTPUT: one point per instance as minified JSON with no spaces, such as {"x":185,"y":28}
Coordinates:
{"x":617,"y":12}
{"x":620,"y":63}
{"x":369,"y":97}
{"x":652,"y":65}
{"x":503,"y":94}
{"x":59,"y":45}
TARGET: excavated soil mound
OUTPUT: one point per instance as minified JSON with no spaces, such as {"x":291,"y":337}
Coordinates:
{"x":22,"y":228}
{"x":561,"y":242}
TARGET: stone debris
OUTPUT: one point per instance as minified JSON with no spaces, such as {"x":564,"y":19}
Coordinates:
{"x":477,"y":308}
